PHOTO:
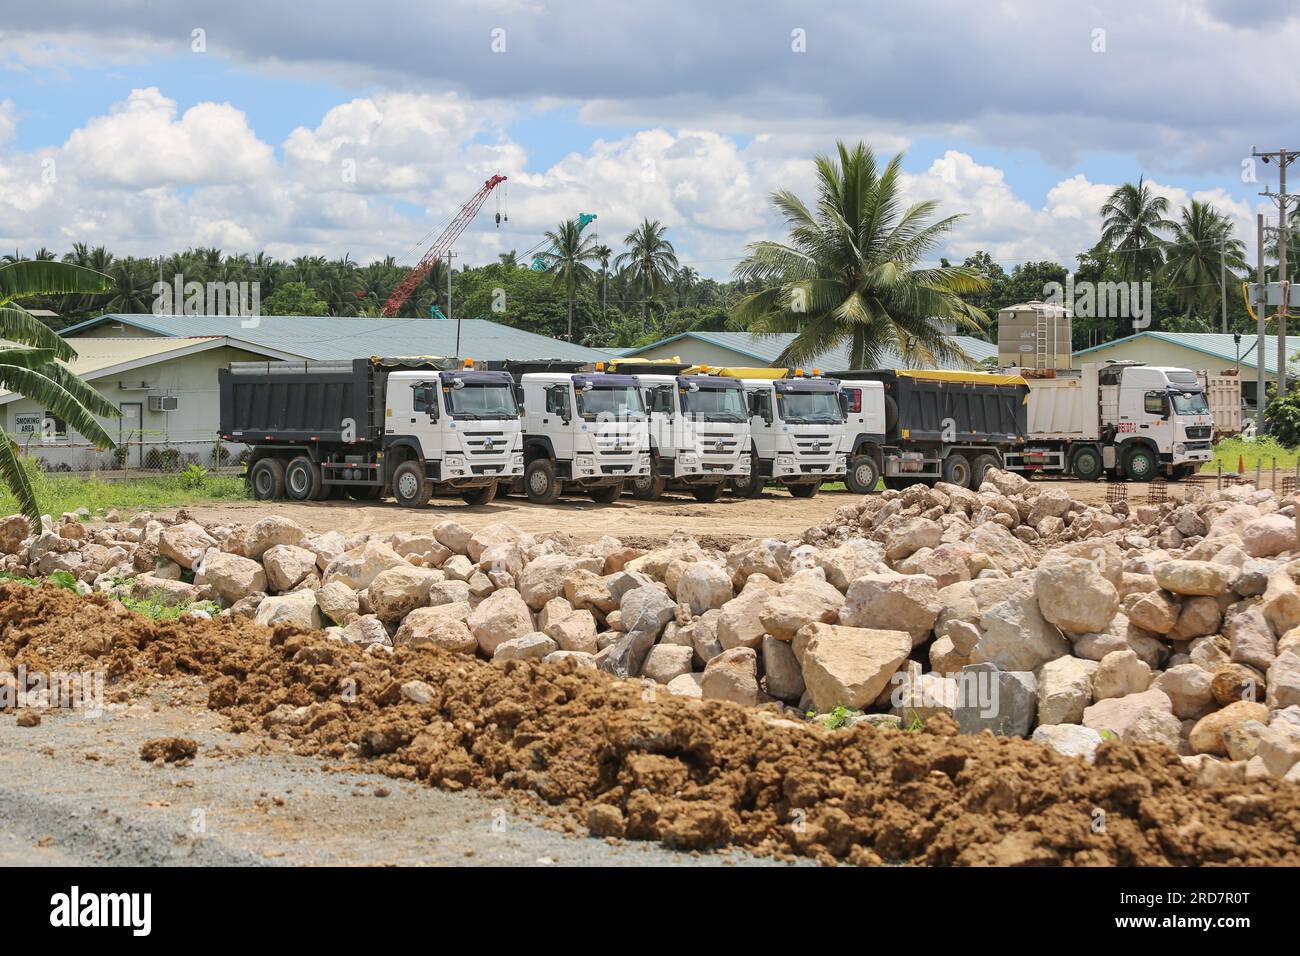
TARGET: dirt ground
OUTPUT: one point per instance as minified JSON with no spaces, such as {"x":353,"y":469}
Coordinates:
{"x":577,"y":749}
{"x":775,"y":514}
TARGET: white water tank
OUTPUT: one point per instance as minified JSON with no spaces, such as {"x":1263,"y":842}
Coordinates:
{"x":1035,"y":335}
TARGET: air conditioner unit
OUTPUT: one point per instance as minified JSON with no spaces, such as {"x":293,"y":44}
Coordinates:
{"x":162,"y":403}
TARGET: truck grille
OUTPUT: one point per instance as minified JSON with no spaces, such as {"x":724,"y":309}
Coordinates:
{"x":814,"y":446}
{"x":1198,"y":431}
{"x":486,"y":443}
{"x":615,"y":444}
{"x":717,"y":446}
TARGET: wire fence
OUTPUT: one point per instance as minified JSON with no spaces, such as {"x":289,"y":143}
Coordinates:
{"x":142,"y":456}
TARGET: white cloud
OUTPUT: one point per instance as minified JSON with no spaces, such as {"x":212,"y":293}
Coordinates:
{"x":142,"y":144}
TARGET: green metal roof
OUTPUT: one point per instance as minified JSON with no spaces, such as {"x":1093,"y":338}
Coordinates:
{"x":1218,"y":345}
{"x":768,"y":348}
{"x":317,"y":337}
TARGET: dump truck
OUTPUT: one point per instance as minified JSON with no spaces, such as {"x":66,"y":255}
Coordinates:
{"x":912,"y":426}
{"x":1122,"y":419}
{"x":584,"y":429}
{"x":371,"y":428}
{"x":796,"y":429}
{"x":699,"y":429}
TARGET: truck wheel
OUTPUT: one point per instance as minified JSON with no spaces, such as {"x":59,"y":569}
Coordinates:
{"x":805,"y":491}
{"x":898,"y":482}
{"x":480,"y":496}
{"x":540,"y":483}
{"x":267,"y":479}
{"x":707,"y":494}
{"x":980,"y":467}
{"x":957,"y":471}
{"x":751,"y":485}
{"x":302,"y":480}
{"x":409,"y":487}
{"x":1182,"y":471}
{"x":1140,"y":464}
{"x":606,"y":494}
{"x":365,"y":492}
{"x":648,"y":487}
{"x":1086,"y":464}
{"x":862,"y":475}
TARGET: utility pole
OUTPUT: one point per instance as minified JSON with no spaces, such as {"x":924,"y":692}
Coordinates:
{"x":1283,"y":158}
{"x":1261,"y":426}
{"x":1223,"y":284}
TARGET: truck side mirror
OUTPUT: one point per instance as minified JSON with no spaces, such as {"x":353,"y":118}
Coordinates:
{"x":844,"y":404}
{"x":519,"y":396}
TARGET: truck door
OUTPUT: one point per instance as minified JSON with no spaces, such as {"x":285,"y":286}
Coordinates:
{"x":660,"y":403}
{"x":420,"y":413}
{"x":557,"y":422}
{"x":762,"y":421}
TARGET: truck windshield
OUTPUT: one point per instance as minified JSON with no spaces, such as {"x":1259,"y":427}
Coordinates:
{"x":1190,"y":403}
{"x":622,"y":401}
{"x":809,"y":407}
{"x":482,"y":400}
{"x":716,"y":404}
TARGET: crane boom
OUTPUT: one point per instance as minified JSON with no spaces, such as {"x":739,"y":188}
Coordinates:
{"x":440,"y":247}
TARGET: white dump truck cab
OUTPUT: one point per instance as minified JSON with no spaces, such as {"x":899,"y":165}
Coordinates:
{"x":699,"y":434}
{"x":1161,"y":419}
{"x":796,"y":431}
{"x":583,"y":432}
{"x":864,"y":433}
{"x":461,"y":426}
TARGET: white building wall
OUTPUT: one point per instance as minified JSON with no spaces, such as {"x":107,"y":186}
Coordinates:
{"x":191,"y":428}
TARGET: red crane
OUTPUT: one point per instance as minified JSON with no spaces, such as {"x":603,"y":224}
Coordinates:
{"x":440,"y":247}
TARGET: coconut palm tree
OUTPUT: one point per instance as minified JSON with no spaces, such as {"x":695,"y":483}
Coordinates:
{"x":1192,"y":256}
{"x":650,"y":261}
{"x":30,"y":365}
{"x":1130,"y":219}
{"x":849,"y":272}
{"x":509,"y":259}
{"x":603,"y":254}
{"x":132,"y":289}
{"x":566,"y":259}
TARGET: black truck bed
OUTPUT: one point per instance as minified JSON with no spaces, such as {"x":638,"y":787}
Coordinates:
{"x":950,"y":407}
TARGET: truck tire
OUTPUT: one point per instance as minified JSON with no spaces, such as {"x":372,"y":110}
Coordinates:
{"x":365,"y":492}
{"x":266,"y":478}
{"x":980,"y":467}
{"x":805,"y":491}
{"x":862,"y":476}
{"x":606,"y":494}
{"x":648,"y":487}
{"x":302,"y":480}
{"x":540,"y":482}
{"x":957,"y":471}
{"x":1086,"y":465}
{"x":707,"y":494}
{"x":1140,"y":463}
{"x":751,"y":485}
{"x":1180,"y":472}
{"x":480,"y":496}
{"x":409,"y":487}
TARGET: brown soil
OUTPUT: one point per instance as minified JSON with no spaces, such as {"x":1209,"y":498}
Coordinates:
{"x":168,"y":749}
{"x":691,"y":775}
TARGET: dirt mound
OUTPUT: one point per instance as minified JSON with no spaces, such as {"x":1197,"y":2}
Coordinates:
{"x":583,"y":746}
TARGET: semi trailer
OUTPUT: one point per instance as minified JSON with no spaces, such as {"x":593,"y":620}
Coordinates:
{"x":1123,"y":419}
{"x":371,"y":428}
{"x":584,"y":431}
{"x":699,"y":429}
{"x":796,"y":429}
{"x":912,"y":426}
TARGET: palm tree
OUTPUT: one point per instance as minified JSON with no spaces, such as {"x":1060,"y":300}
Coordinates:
{"x":34,"y":372}
{"x":509,"y":259}
{"x":1130,"y":219}
{"x":132,"y":289}
{"x":1192,"y":257}
{"x":603,"y":253}
{"x":849,"y":272}
{"x":650,"y":261}
{"x":566,"y":259}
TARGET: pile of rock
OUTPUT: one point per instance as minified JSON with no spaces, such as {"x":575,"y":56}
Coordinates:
{"x":1012,"y":609}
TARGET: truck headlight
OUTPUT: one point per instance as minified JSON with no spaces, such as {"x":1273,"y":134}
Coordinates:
{"x":841,"y":463}
{"x":785,"y":461}
{"x":1180,"y":448}
{"x":517,"y":460}
{"x":686,"y":458}
{"x":644,"y":461}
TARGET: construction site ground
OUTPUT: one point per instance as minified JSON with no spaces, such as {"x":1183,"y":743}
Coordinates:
{"x":774,"y":514}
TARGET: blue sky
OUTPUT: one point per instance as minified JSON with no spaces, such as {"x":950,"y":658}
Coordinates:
{"x":1022,"y":117}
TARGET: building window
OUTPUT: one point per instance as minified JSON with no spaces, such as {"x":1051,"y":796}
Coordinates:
{"x":55,"y":429}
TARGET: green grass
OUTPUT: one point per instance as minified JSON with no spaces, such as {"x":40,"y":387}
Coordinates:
{"x":58,"y":493}
{"x":149,"y":608}
{"x":1262,"y":450}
